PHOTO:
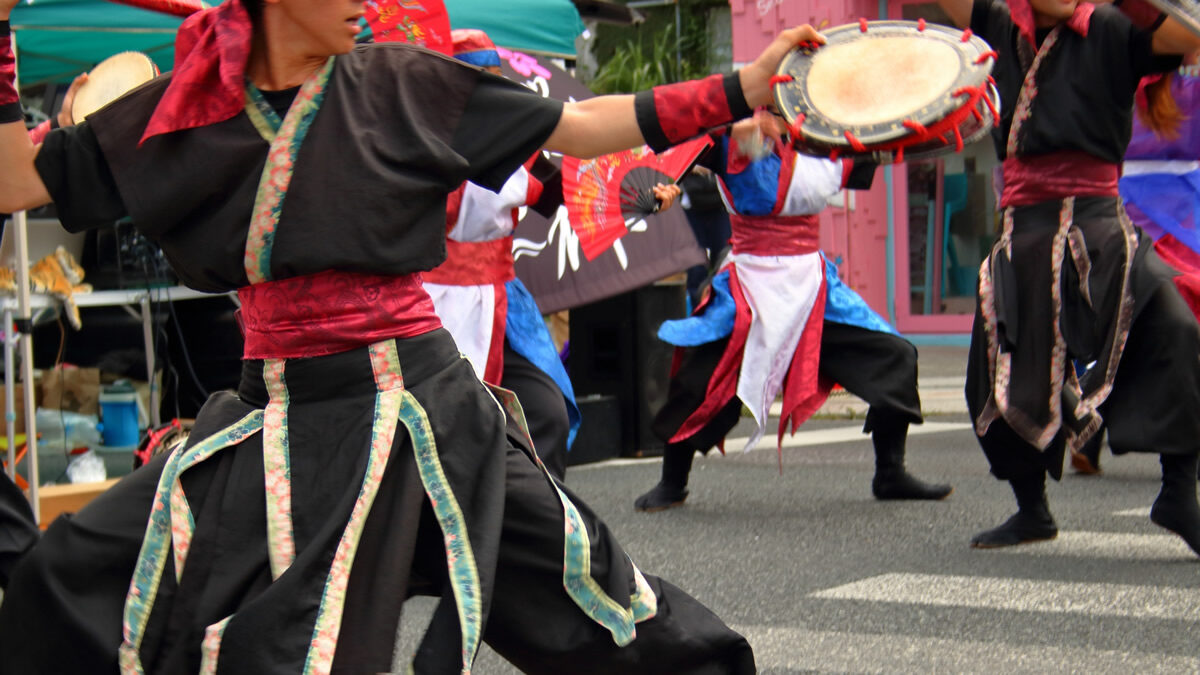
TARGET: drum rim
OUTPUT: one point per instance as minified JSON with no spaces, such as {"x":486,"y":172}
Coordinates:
{"x":914,"y":152}
{"x":82,"y":94}
{"x":791,"y":98}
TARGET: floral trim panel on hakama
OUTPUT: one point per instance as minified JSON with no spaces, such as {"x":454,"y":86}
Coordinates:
{"x":277,"y":470}
{"x":160,"y":534}
{"x":390,"y":400}
{"x":584,"y":591}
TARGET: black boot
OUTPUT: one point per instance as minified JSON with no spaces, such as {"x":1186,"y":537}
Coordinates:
{"x":1086,"y":460}
{"x":1032,"y":521}
{"x":18,"y":532}
{"x":1176,"y":508}
{"x":671,"y":491}
{"x":891,"y":480}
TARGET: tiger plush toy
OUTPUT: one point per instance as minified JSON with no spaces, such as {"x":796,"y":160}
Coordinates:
{"x":57,"y":274}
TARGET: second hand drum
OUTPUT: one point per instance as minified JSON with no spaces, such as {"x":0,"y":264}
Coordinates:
{"x":110,"y":80}
{"x":888,"y":90}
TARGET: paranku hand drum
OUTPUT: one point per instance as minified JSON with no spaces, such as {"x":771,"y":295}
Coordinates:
{"x":889,"y":90}
{"x":111,"y":79}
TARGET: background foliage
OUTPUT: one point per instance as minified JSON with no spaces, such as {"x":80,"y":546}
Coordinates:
{"x":632,"y":58}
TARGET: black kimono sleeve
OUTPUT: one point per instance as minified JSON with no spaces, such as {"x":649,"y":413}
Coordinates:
{"x":78,"y":179}
{"x":502,"y":126}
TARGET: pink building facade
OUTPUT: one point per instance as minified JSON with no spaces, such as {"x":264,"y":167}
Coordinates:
{"x":911,"y":246}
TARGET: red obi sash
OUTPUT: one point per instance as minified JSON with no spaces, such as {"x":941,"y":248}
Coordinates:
{"x":331,"y":312}
{"x":1058,"y":175}
{"x":775,"y":235}
{"x":474,"y":263}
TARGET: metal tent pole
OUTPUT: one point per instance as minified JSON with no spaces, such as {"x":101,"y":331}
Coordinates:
{"x":24,"y":336}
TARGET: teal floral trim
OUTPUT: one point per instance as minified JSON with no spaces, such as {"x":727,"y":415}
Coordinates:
{"x":577,"y":555}
{"x":277,"y":174}
{"x":277,"y":470}
{"x":261,"y":114}
{"x":147,"y":574}
{"x":183,"y":525}
{"x":210,"y":647}
{"x":511,"y":406}
{"x":583,"y":589}
{"x":643,"y":601}
{"x":388,"y":402}
{"x":460,"y":557}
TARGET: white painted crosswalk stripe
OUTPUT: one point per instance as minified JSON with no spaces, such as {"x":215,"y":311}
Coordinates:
{"x":1143,"y":512}
{"x":799,"y":440}
{"x":796,"y":649}
{"x":1115,"y":545}
{"x":1024,"y":595}
{"x":840,"y":435}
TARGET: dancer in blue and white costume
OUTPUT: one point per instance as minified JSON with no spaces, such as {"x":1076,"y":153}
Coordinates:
{"x":778,"y":321}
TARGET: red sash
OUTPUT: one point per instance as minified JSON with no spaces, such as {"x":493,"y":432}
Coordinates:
{"x":1058,"y":175}
{"x":474,"y":263}
{"x":331,"y":312}
{"x":775,"y":235}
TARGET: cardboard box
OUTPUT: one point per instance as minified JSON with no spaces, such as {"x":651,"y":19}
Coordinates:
{"x":67,"y":387}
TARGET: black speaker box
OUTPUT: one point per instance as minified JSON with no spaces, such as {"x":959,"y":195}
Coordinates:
{"x":615,"y":351}
{"x":599,"y":436}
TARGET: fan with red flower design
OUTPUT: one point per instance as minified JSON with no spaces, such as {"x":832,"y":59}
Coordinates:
{"x":420,"y":22}
{"x":608,"y":194}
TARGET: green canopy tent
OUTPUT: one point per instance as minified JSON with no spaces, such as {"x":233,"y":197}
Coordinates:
{"x":57,"y":39}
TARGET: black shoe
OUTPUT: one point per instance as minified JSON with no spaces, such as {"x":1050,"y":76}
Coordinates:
{"x":890,"y":485}
{"x":1021,"y":528}
{"x":1176,"y":508}
{"x":661,"y":498}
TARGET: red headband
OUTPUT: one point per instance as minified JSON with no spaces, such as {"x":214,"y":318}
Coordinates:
{"x":211,"y":51}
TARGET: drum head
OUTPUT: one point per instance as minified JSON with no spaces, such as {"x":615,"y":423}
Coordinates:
{"x":111,"y":79}
{"x":868,"y":83}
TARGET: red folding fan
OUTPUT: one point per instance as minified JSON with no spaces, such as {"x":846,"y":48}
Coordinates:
{"x":421,"y":22}
{"x":605,"y":195}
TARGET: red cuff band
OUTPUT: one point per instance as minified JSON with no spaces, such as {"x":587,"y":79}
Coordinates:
{"x":673,"y":113}
{"x":8,"y":72}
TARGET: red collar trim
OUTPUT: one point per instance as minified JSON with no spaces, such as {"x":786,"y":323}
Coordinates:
{"x":208,"y":85}
{"x":1022,"y":16}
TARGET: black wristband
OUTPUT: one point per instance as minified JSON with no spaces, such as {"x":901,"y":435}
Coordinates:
{"x":5,"y":29}
{"x":11,"y":112}
{"x":647,"y":119}
{"x":735,"y":97}
{"x":1157,"y":22}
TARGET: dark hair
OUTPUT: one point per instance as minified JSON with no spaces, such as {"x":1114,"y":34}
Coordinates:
{"x":1161,"y":114}
{"x":254,"y":8}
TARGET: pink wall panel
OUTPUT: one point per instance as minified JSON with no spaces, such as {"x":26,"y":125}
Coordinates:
{"x":867,"y":239}
{"x":756,"y":22}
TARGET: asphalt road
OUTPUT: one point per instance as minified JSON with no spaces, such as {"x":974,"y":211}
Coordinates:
{"x":821,"y":578}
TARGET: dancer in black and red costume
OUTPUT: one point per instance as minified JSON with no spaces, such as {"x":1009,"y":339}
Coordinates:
{"x":360,"y":461}
{"x":1070,"y":278}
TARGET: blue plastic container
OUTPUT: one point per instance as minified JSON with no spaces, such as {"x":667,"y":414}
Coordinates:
{"x":119,"y":415}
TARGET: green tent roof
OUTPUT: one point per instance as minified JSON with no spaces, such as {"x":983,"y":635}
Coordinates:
{"x":57,"y":39}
